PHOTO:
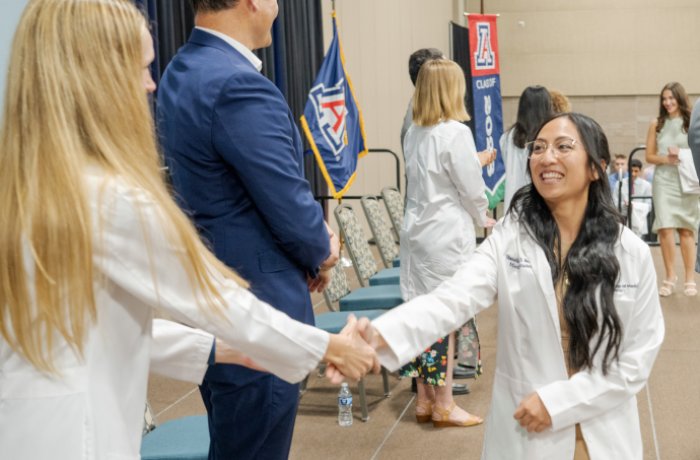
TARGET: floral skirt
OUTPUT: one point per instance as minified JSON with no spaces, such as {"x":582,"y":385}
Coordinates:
{"x":431,"y":365}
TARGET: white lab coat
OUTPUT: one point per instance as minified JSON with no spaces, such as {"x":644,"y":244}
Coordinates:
{"x":515,"y":161}
{"x":94,"y":408}
{"x":510,"y":267}
{"x":445,"y":194}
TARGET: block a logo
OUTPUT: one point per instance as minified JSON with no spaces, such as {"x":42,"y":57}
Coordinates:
{"x":484,"y":57}
{"x":330,"y":111}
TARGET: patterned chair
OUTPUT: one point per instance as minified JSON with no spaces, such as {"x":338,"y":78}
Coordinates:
{"x":394,"y":205}
{"x":381,"y":230}
{"x":381,"y":297}
{"x":360,"y":253}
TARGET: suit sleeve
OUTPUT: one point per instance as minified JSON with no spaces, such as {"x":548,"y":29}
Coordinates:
{"x":180,"y":352}
{"x":413,"y":326}
{"x":464,"y":169}
{"x":590,"y":393}
{"x":252,"y":131}
{"x":135,"y":254}
{"x":694,"y":136}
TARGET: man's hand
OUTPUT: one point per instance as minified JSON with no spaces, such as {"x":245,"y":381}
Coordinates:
{"x":349,"y":356}
{"x":532,"y":414}
{"x":334,"y":256}
{"x":320,"y":283}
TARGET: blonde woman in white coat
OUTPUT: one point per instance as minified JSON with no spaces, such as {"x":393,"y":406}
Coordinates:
{"x":445,"y":196}
{"x":95,"y":244}
{"x":580,"y":323}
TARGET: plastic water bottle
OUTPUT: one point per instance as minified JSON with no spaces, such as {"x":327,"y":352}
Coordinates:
{"x":344,"y":406}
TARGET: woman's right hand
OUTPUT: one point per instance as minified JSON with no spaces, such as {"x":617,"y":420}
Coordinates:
{"x":672,"y":156}
{"x":487,"y":157}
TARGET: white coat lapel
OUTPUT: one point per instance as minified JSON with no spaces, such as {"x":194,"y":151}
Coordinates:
{"x":543,"y":274}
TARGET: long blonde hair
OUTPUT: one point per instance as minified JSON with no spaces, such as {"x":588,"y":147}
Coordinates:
{"x":74,"y":98}
{"x":439,"y":94}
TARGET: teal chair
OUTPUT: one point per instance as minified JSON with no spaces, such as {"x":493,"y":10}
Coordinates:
{"x":359,"y":250}
{"x":381,"y":230}
{"x":381,"y":297}
{"x":333,"y":322}
{"x":185,"y":438}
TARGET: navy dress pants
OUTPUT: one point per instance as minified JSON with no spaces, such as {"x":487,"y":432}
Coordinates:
{"x":252,"y":418}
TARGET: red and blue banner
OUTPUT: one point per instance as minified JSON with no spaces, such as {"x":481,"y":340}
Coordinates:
{"x":332,"y":121}
{"x":486,"y":102}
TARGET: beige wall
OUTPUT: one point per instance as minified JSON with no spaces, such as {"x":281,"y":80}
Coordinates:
{"x":611,"y":56}
{"x":597,"y":47}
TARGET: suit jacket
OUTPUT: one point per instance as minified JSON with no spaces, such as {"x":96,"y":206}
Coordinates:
{"x":236,"y":162}
{"x":694,"y":135}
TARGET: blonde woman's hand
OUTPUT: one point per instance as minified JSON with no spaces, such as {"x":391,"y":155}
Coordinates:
{"x":487,"y":157}
{"x":227,"y":355}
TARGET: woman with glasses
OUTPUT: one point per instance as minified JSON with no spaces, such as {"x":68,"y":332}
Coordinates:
{"x":673,"y":209}
{"x":579,"y":318}
{"x":446,"y":195}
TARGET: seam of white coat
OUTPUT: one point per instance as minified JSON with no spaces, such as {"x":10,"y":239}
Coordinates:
{"x":653,"y":425}
{"x":393,"y":427}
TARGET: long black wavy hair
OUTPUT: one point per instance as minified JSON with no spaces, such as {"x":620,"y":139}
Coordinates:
{"x":591,"y":266}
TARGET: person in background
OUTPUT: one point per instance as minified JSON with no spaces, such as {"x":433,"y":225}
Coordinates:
{"x":415,"y":62}
{"x":560,"y":103}
{"x":694,"y":144}
{"x":446,"y":195}
{"x":98,"y":245}
{"x":579,"y":318}
{"x":673,"y":209}
{"x":236,"y":161}
{"x":534,"y":106}
{"x":618,"y":173}
{"x":640,"y":207}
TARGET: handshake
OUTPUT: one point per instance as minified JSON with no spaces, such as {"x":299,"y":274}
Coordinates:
{"x":351,"y":354}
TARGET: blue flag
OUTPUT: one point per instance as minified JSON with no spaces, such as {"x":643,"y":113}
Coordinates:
{"x":332,"y":121}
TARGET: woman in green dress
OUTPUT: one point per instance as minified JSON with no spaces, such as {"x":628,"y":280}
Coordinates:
{"x":674,"y":209}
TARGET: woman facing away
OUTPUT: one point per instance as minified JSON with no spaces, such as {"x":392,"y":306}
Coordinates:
{"x":673,"y":209}
{"x":445,"y":196}
{"x":579,"y":318}
{"x":96,"y":244}
{"x":534,"y":106}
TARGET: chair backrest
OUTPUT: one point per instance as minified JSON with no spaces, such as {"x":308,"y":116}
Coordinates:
{"x":355,"y":242}
{"x":381,"y":230}
{"x":337,"y":288}
{"x":394,"y":204}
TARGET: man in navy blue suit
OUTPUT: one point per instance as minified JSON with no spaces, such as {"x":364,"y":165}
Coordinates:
{"x":235,"y":158}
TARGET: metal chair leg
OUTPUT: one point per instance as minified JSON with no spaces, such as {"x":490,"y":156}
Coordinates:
{"x":363,"y":400}
{"x":302,"y":386}
{"x":385,"y":381}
